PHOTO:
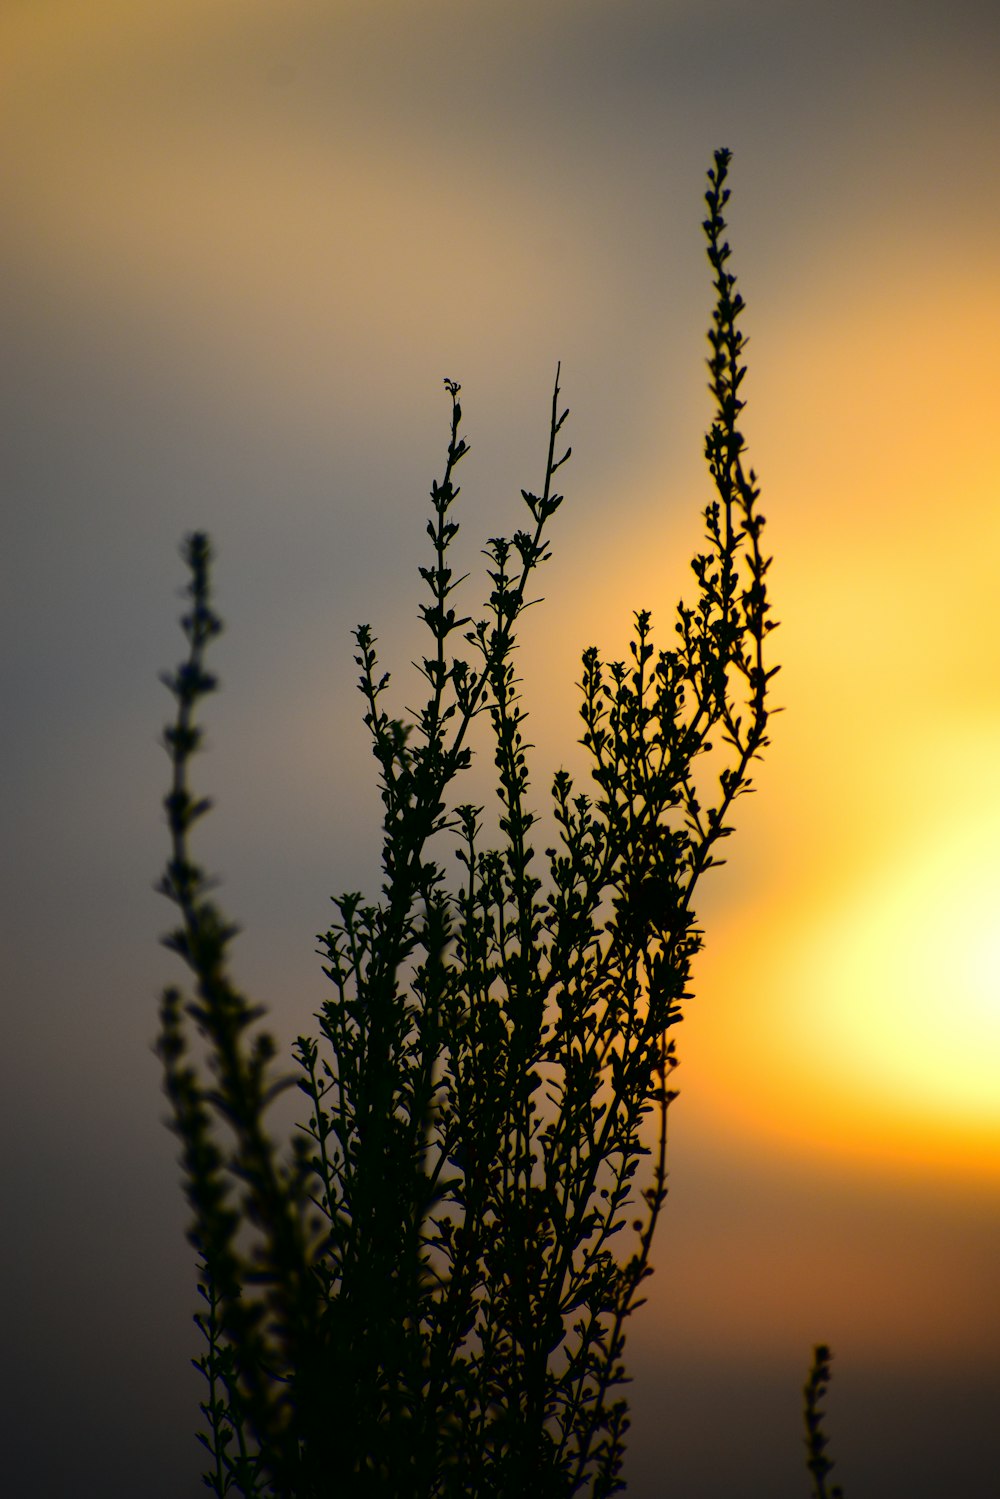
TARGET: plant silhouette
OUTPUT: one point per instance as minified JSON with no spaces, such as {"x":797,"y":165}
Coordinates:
{"x":427,"y":1294}
{"x":817,"y":1442}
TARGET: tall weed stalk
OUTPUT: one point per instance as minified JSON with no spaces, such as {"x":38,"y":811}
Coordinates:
{"x":427,"y":1295}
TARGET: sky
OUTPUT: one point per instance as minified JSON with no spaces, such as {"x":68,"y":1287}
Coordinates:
{"x":241,"y":245}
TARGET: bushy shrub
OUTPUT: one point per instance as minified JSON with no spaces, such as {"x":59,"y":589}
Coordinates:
{"x":428,"y":1294}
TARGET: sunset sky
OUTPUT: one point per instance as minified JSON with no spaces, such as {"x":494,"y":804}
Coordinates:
{"x":241,"y":244}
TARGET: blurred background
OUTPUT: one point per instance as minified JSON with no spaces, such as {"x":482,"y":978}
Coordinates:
{"x":241,"y":244}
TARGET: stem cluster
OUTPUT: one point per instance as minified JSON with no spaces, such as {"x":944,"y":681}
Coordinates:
{"x":428,"y":1295}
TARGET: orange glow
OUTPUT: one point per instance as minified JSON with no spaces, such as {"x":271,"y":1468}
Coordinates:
{"x":866,"y":1021}
{"x":904,"y":982}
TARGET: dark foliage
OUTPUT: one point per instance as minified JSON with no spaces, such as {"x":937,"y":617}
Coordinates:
{"x":427,"y":1295}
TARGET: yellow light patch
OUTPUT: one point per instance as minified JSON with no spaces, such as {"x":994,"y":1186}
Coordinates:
{"x":867,"y":1023}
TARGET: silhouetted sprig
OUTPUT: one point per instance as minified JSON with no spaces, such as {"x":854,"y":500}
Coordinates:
{"x":270,"y":1332}
{"x":236,"y":1467}
{"x":817,"y":1441}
